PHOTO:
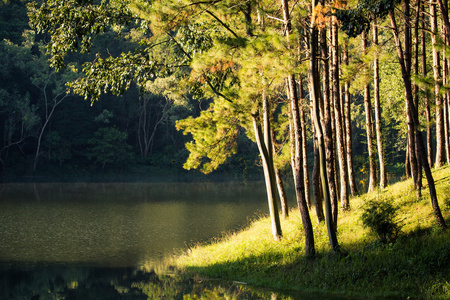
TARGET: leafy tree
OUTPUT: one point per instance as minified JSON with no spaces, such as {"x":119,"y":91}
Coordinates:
{"x":109,"y":147}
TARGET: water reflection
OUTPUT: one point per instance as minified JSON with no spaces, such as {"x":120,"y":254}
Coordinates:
{"x":65,"y":282}
{"x":118,"y":224}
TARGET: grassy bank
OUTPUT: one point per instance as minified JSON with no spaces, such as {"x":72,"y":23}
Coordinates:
{"x":417,"y":265}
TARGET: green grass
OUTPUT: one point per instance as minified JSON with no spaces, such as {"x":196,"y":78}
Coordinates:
{"x":417,"y":265}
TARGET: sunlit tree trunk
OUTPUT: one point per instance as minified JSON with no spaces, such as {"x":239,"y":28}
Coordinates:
{"x":264,"y":142}
{"x":445,"y":109}
{"x":340,"y":144}
{"x":282,"y":194}
{"x":304,"y":145}
{"x":418,"y":183}
{"x":348,"y":129}
{"x":427,"y":95}
{"x":369,"y":128}
{"x":297,"y":164}
{"x":408,"y":94}
{"x":326,"y":123}
{"x":314,"y":86}
{"x":439,"y":113}
{"x":376,"y":97}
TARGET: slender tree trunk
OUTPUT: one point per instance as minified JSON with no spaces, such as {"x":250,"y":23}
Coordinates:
{"x":369,"y":127}
{"x":427,"y":96}
{"x":418,"y":182}
{"x":279,"y":181}
{"x":409,"y":116}
{"x":316,"y":184}
{"x":348,"y":129}
{"x":48,"y":115}
{"x":281,"y":194}
{"x":440,"y":144}
{"x":445,"y":110}
{"x":342,"y":157}
{"x":408,"y":94}
{"x":443,"y":6}
{"x":265,"y":148}
{"x":328,"y":137}
{"x":304,"y":145}
{"x":315,"y":94}
{"x":297,"y":163}
{"x":376,"y":96}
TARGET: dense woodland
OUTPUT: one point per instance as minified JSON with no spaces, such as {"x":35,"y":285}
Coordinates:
{"x":338,"y":96}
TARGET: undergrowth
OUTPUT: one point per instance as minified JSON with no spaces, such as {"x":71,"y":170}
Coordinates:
{"x":416,"y":264}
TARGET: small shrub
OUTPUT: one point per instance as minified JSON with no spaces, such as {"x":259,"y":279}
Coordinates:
{"x":381,"y":218}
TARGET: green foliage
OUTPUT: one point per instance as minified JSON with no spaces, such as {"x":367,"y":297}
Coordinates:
{"x":214,"y":132}
{"x":72,"y":24}
{"x":57,"y":148}
{"x":109,"y":147}
{"x":381,"y":218}
{"x":356,"y":20}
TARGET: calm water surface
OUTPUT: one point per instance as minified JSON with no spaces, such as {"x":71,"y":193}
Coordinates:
{"x":118,"y":224}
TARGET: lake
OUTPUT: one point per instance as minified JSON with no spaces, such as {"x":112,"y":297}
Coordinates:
{"x":118,"y":224}
{"x":102,"y":240}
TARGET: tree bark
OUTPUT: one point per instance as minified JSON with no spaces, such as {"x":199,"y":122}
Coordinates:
{"x":445,"y":110}
{"x":348,"y":129}
{"x":427,"y":95}
{"x":440,"y":144}
{"x":304,"y":145}
{"x":315,"y":94}
{"x":326,"y":123}
{"x":265,"y":149}
{"x":408,"y":94}
{"x":418,"y":182}
{"x":342,"y":157}
{"x":297,"y":164}
{"x":376,"y":96}
{"x":369,"y":127}
{"x":316,"y":184}
{"x":281,"y":194}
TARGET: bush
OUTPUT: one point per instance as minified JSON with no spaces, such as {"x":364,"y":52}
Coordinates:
{"x":381,"y":218}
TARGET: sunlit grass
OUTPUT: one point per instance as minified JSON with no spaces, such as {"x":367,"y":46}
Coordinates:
{"x":416,"y":265}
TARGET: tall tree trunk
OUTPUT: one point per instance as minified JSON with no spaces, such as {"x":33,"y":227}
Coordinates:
{"x":445,"y":110}
{"x":316,"y":184}
{"x":409,"y":116}
{"x":408,"y":94}
{"x":297,"y":163}
{"x":265,"y":149}
{"x":348,"y":129}
{"x":418,"y":183}
{"x":369,"y":127}
{"x":281,"y":194}
{"x":427,"y":95}
{"x":315,"y":94}
{"x":342,"y":157}
{"x":326,"y":123}
{"x":376,"y":97}
{"x":304,"y":145}
{"x":440,"y":151}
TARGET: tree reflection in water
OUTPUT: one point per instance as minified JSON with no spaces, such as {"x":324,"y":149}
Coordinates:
{"x":76,"y":282}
